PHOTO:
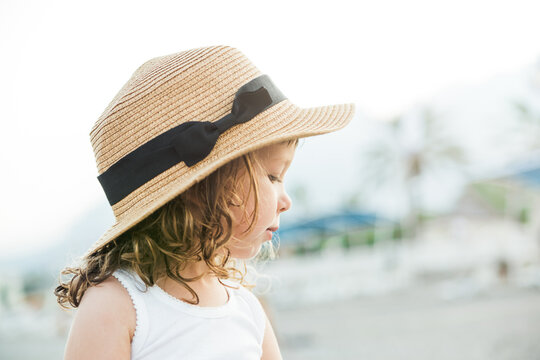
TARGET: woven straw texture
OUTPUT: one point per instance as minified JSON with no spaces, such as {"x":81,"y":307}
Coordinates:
{"x":194,"y":85}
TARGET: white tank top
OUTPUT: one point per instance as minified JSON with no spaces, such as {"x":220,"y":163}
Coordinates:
{"x":168,"y":328}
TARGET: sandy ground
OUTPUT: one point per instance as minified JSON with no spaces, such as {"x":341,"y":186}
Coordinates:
{"x":414,"y":323}
{"x":503,"y":323}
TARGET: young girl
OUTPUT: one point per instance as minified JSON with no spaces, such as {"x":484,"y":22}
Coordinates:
{"x":192,"y":154}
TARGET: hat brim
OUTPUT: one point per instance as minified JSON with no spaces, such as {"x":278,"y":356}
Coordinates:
{"x":282,"y":122}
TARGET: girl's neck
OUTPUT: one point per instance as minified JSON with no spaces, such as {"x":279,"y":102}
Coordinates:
{"x":210,"y":291}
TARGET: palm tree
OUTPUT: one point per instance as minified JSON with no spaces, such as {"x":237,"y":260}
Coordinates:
{"x":401,"y":160}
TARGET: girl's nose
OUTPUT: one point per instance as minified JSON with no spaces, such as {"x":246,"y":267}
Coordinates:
{"x":285,"y":202}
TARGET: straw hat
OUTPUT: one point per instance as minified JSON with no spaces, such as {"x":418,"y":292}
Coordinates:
{"x":182,"y":116}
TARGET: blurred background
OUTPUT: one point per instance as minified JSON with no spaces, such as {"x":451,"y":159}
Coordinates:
{"x":414,"y":232}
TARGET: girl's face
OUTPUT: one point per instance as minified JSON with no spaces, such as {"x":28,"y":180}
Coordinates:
{"x":273,"y":200}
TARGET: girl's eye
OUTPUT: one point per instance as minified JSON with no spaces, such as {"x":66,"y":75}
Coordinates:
{"x":273,"y":178}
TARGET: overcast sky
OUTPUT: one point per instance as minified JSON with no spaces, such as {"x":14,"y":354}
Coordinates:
{"x":63,"y":61}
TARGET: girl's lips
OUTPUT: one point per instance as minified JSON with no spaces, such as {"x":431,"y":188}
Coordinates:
{"x":270,"y":231}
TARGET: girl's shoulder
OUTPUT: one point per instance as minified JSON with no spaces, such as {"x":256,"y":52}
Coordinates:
{"x":247,"y":296}
{"x":251,"y":301}
{"x":104,"y":319}
{"x":114,"y":299}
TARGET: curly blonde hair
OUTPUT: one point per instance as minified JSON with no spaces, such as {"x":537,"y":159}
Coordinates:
{"x":194,"y":226}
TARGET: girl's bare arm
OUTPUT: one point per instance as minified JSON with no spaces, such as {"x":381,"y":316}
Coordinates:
{"x":270,"y":344}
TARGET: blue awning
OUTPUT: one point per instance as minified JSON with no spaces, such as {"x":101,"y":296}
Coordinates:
{"x":530,"y":176}
{"x":326,"y":225}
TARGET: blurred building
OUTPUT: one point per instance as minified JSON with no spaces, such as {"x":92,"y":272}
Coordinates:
{"x":343,"y":229}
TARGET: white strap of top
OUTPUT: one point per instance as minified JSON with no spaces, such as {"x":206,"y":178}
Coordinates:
{"x":135,"y":288}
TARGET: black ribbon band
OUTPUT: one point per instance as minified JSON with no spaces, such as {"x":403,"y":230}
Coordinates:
{"x":189,"y":142}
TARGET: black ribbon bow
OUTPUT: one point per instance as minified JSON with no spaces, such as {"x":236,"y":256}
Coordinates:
{"x":198,"y":139}
{"x":189,"y":142}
